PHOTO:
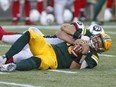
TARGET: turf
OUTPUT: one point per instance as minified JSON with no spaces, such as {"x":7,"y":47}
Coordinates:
{"x":104,"y":75}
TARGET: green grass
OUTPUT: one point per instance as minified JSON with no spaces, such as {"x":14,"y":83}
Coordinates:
{"x":104,"y":75}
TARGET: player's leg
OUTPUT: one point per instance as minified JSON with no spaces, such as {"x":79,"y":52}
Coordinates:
{"x":82,"y":9}
{"x":8,"y":37}
{"x":20,"y":56}
{"x":110,"y":4}
{"x":97,"y":10}
{"x":15,"y":11}
{"x":76,"y":10}
{"x":59,"y":6}
{"x":54,"y":40}
{"x":16,"y":47}
{"x":11,"y":37}
{"x":27,"y":8}
{"x":40,"y":47}
{"x":20,"y":44}
{"x":40,"y":6}
{"x":24,"y":65}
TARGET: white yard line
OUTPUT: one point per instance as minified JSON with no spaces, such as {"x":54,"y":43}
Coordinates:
{"x":17,"y":84}
{"x":106,"y":55}
{"x":63,"y":71}
{"x":109,"y":32}
{"x":1,"y":45}
{"x":4,"y":73}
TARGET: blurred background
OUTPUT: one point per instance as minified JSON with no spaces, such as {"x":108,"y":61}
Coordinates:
{"x":50,"y":12}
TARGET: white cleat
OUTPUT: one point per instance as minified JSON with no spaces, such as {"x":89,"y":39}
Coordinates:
{"x":8,"y":67}
{"x":2,"y":60}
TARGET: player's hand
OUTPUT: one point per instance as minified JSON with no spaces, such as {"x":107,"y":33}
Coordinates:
{"x":84,"y":44}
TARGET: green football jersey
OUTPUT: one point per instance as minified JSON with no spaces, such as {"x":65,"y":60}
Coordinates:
{"x":65,"y":58}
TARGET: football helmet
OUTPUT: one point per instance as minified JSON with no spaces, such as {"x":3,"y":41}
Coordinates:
{"x":67,"y":15}
{"x":100,"y":42}
{"x":96,"y":29}
{"x":34,"y":15}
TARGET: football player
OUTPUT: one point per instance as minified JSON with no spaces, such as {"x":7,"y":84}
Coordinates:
{"x":69,"y":30}
{"x":60,"y":56}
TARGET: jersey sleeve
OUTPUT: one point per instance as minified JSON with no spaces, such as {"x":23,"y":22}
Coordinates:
{"x":92,"y":59}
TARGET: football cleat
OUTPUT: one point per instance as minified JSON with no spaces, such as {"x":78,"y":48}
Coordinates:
{"x":2,"y":60}
{"x":8,"y":67}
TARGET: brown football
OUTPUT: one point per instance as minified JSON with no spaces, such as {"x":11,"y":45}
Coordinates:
{"x":77,"y":49}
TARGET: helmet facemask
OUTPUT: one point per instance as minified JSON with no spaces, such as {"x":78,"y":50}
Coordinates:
{"x":97,"y":43}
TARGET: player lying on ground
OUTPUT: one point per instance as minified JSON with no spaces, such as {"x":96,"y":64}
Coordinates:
{"x":65,"y":28}
{"x":59,"y":56}
{"x":11,"y":37}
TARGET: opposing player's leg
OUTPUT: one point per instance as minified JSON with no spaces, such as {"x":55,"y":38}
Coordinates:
{"x":59,"y":4}
{"x":15,"y":12}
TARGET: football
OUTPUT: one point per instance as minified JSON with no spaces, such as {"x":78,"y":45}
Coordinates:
{"x":77,"y":49}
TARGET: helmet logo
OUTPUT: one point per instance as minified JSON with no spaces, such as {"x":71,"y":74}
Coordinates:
{"x":97,"y":28}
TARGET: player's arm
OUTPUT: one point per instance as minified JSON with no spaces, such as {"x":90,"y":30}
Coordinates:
{"x":64,"y":36}
{"x":65,"y":33}
{"x":74,"y":65}
{"x":68,"y":28}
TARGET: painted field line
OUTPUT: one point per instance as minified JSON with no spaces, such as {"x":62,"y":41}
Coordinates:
{"x":4,"y":73}
{"x":16,"y":84}
{"x":5,"y":45}
{"x":109,"y":32}
{"x":63,"y":71}
{"x":106,"y":55}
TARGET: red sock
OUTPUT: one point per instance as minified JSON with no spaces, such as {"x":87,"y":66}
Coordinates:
{"x":27,"y":8}
{"x":40,"y":6}
{"x":10,"y":60}
{"x":15,"y":10}
{"x":110,"y":3}
{"x":76,"y":8}
{"x":83,"y":3}
{"x":3,"y":32}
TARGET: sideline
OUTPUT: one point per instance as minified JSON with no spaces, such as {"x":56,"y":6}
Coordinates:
{"x":52,"y":27}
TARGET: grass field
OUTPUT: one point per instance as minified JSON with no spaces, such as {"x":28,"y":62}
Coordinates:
{"x":104,"y":75}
